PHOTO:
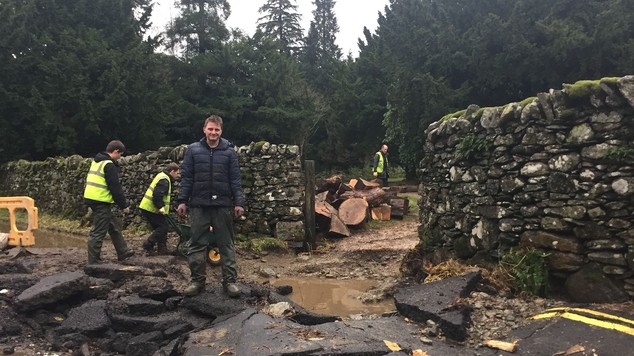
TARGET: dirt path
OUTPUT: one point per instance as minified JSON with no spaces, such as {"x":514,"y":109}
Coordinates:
{"x":369,"y":253}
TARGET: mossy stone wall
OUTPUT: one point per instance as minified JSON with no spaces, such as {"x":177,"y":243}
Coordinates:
{"x":555,"y":173}
{"x":272,"y":179}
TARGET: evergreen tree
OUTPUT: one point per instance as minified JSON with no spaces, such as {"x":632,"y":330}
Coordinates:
{"x":269,"y":98}
{"x":76,"y":74}
{"x":280,"y":21}
{"x":200,"y":28}
{"x":321,"y":53}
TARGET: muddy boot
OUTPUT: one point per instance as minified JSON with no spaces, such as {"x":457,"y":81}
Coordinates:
{"x":148,"y":247}
{"x":193,"y":289}
{"x":162,"y":249}
{"x":232,"y":290}
{"x":125,"y":255}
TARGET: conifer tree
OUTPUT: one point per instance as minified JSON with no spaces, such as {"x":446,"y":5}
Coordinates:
{"x":200,"y":28}
{"x":321,"y":53}
{"x":280,"y":21}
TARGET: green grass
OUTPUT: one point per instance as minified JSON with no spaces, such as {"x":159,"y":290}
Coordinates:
{"x":260,"y":244}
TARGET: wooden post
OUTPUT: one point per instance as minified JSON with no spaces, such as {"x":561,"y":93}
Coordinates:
{"x":309,"y":205}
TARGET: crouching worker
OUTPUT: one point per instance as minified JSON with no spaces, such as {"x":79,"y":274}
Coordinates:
{"x":155,"y":206}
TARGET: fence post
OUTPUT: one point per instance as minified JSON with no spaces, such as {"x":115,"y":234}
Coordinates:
{"x":309,"y":205}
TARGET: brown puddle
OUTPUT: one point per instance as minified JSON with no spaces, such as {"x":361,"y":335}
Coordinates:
{"x":334,"y":297}
{"x":49,"y":239}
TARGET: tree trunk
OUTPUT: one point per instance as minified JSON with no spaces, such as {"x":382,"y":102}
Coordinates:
{"x":374,"y":196}
{"x":353,"y":211}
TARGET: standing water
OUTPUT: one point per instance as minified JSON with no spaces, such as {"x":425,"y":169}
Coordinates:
{"x":48,"y":238}
{"x":334,"y":297}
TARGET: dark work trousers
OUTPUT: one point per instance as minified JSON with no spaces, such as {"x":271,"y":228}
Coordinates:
{"x":158,"y":222}
{"x":221,"y":218}
{"x":382,"y":179}
{"x":104,"y":221}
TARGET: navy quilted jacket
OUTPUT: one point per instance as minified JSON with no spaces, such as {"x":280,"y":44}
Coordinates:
{"x":211,"y":177}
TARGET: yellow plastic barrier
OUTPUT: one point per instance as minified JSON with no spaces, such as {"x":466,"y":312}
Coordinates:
{"x":20,"y":237}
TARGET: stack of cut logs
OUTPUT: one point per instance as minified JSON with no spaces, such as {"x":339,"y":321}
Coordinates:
{"x":340,"y":205}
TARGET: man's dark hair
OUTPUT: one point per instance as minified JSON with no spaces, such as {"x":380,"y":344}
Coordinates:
{"x":172,"y":167}
{"x":115,"y":145}
{"x":213,"y":118}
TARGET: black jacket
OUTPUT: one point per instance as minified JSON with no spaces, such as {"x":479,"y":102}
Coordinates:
{"x":211,"y":177}
{"x":111,"y":173}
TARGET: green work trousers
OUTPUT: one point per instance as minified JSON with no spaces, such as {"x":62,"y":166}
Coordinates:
{"x":104,"y":221}
{"x":221,"y":219}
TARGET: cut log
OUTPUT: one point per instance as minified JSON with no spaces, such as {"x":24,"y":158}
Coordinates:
{"x":374,"y":196}
{"x":389,"y":193}
{"x":327,"y":219}
{"x":382,"y":212}
{"x":321,"y":197}
{"x":324,"y":209}
{"x":362,"y":184}
{"x":400,"y":206}
{"x":353,"y":211}
{"x":337,"y":226}
{"x":331,"y":184}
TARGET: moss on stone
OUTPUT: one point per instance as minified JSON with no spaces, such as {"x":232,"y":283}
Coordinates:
{"x":258,"y":146}
{"x":527,"y":101}
{"x":610,"y":80}
{"x":583,"y":89}
{"x":455,"y":114}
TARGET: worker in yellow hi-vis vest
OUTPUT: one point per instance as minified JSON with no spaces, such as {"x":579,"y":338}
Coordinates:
{"x":380,"y":166}
{"x":103,"y":190}
{"x":155,"y":206}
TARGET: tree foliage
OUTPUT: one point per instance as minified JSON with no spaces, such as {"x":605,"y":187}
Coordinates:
{"x":77,"y":73}
{"x":200,"y":27}
{"x":322,"y":55}
{"x":280,"y":21}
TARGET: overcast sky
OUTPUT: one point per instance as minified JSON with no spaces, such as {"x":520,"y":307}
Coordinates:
{"x":352,"y":16}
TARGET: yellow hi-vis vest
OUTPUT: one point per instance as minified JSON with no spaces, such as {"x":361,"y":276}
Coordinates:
{"x":380,"y":165}
{"x":146,"y":202}
{"x":96,"y":186}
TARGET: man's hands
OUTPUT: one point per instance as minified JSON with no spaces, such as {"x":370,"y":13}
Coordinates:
{"x":375,"y":173}
{"x":238,"y":211}
{"x":182,"y":209}
{"x":162,"y":211}
{"x":126,"y":211}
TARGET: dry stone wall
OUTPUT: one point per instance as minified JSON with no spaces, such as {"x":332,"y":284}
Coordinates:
{"x":272,"y":179}
{"x":554,"y":172}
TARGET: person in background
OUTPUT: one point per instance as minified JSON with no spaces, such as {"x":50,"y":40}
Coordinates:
{"x":211,"y":185}
{"x":155,"y":206}
{"x":380,"y":166}
{"x":102,"y":191}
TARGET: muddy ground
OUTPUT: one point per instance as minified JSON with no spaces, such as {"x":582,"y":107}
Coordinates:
{"x":373,"y":252}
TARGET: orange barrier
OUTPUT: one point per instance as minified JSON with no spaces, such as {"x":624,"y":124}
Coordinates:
{"x":20,"y":237}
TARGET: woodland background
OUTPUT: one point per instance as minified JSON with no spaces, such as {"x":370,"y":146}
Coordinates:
{"x":78,"y":73}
